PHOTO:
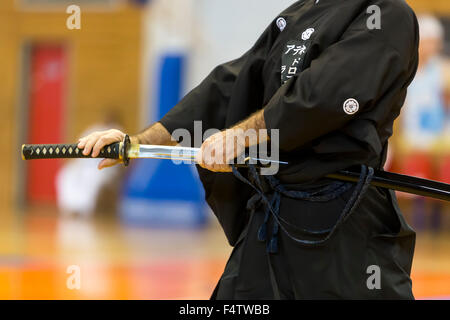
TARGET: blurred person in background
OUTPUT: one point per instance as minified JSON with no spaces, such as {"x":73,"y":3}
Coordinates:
{"x":421,"y":149}
{"x":81,"y":188}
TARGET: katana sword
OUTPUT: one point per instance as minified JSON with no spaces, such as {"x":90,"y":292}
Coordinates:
{"x":125,"y":151}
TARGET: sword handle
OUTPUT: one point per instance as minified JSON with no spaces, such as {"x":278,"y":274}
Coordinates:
{"x":66,"y":151}
{"x":118,"y":151}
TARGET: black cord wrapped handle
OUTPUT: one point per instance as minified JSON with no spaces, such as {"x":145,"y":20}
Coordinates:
{"x":67,"y":151}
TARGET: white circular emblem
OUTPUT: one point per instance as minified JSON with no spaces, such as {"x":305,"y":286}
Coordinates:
{"x":351,"y":106}
{"x":308,"y":33}
{"x":281,"y":23}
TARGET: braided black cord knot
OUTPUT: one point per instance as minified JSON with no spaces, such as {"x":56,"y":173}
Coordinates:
{"x":272,"y":205}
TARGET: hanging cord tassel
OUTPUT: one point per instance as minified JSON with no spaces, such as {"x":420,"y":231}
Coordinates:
{"x":262,"y":232}
{"x":273,"y":206}
{"x":273,"y":244}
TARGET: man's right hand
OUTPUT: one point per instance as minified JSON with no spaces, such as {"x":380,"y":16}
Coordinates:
{"x":97,"y":140}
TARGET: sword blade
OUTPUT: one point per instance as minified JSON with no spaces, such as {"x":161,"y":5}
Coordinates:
{"x":143,"y":151}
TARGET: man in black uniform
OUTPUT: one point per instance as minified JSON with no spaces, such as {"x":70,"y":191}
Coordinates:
{"x":333,"y":86}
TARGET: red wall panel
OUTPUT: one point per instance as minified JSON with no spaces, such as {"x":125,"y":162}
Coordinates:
{"x":46,"y":117}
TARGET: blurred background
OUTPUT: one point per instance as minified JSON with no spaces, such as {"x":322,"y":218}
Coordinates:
{"x":145,"y":232}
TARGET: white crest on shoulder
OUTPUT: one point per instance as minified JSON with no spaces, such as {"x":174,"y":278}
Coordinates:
{"x":307,"y":33}
{"x":281,"y":23}
{"x":351,"y":106}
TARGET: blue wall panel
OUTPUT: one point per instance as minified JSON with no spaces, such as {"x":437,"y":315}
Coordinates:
{"x":160,"y":193}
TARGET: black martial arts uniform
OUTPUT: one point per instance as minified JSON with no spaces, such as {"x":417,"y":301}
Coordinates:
{"x":333,"y":87}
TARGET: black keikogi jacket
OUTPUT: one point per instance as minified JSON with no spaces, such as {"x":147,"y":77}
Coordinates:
{"x":328,"y":81}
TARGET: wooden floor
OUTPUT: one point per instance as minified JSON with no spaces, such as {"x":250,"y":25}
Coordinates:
{"x":119,"y":262}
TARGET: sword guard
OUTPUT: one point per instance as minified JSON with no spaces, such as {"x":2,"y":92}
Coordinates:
{"x":124,"y":150}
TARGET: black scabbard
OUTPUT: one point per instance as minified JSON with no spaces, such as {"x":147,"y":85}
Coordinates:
{"x":399,"y":182}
